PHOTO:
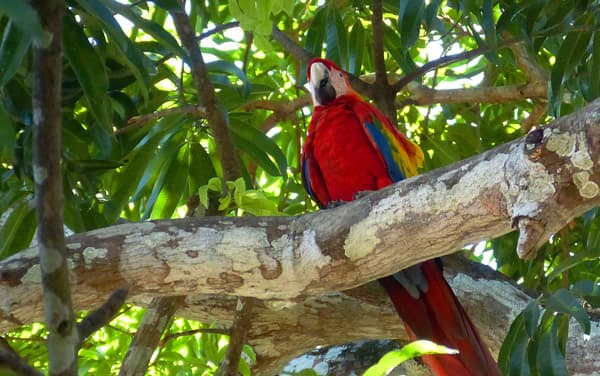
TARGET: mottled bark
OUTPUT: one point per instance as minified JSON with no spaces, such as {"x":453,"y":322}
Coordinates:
{"x":63,"y":337}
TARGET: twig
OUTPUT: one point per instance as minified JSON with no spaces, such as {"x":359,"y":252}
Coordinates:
{"x":442,"y":61}
{"x":103,"y":315}
{"x":172,"y":336}
{"x":138,"y":121}
{"x":218,"y":29}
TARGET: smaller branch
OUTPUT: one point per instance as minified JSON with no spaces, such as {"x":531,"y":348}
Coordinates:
{"x":239,"y":334}
{"x":205,"y":91}
{"x":156,"y":321}
{"x":17,"y":364}
{"x":249,"y":40}
{"x":172,"y":336}
{"x":422,"y":95}
{"x":535,"y":117}
{"x":280,"y":107}
{"x":103,"y":315}
{"x":218,"y":29}
{"x":527,"y":63}
{"x":443,"y":61}
{"x":301,"y":54}
{"x":138,"y":121}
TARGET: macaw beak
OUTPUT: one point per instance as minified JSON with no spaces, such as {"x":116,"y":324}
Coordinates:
{"x":320,"y":85}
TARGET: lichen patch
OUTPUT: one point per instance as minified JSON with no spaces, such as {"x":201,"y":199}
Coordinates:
{"x":90,"y":254}
{"x":586,"y":187}
{"x":33,"y":275}
{"x":562,"y":143}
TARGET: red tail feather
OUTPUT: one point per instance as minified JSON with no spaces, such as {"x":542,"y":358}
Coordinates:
{"x":436,"y":315}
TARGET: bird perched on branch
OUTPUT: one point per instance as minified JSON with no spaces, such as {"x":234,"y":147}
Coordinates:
{"x":351,"y":147}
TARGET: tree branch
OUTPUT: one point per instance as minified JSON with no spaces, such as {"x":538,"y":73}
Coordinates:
{"x":206,"y":96}
{"x":422,"y":95}
{"x":63,"y":337}
{"x":101,"y":316}
{"x":156,"y":321}
{"x":239,"y":335}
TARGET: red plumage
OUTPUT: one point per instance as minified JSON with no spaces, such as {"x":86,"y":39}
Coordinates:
{"x":350,"y":148}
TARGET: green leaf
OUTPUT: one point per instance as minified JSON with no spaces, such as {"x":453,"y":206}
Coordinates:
{"x":531,"y":315}
{"x":573,"y":261}
{"x":256,"y":203}
{"x":26,"y":19}
{"x":166,"y":158}
{"x":409,"y":351}
{"x":586,"y":288}
{"x":260,"y":147}
{"x":356,"y":48}
{"x":89,"y":69}
{"x":230,"y":68}
{"x":336,"y":37}
{"x":572,"y":50}
{"x":316,"y":32}
{"x":488,"y":24}
{"x":410,"y":17}
{"x":549,"y":359}
{"x":134,"y":58}
{"x":126,"y":181}
{"x":563,"y":301}
{"x":512,"y":358}
{"x":8,"y":137}
{"x":174,"y":185}
{"x":18,"y":230}
{"x":152,"y":28}
{"x":15,"y":44}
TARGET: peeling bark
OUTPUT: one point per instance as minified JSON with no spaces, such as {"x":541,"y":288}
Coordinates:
{"x":295,"y":265}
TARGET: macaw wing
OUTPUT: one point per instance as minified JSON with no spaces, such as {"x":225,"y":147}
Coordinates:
{"x":312,"y":178}
{"x":401,"y":156}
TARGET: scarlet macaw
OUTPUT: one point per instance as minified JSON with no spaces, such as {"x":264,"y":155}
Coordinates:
{"x":351,"y":147}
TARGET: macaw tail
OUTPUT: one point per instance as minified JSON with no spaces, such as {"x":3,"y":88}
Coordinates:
{"x":431,"y":311}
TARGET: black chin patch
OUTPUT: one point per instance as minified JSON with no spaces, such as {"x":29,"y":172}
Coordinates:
{"x":325,"y":92}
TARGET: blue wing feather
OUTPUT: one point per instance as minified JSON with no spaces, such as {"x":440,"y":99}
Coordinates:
{"x":384,"y":147}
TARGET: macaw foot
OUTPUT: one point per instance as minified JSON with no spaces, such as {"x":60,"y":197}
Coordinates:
{"x":335,"y":204}
{"x":361,"y":194}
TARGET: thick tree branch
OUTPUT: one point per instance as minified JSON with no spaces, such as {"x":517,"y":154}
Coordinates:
{"x":546,"y":178}
{"x":550,"y":177}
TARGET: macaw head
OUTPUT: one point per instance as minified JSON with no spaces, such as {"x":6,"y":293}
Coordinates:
{"x":326,"y":81}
